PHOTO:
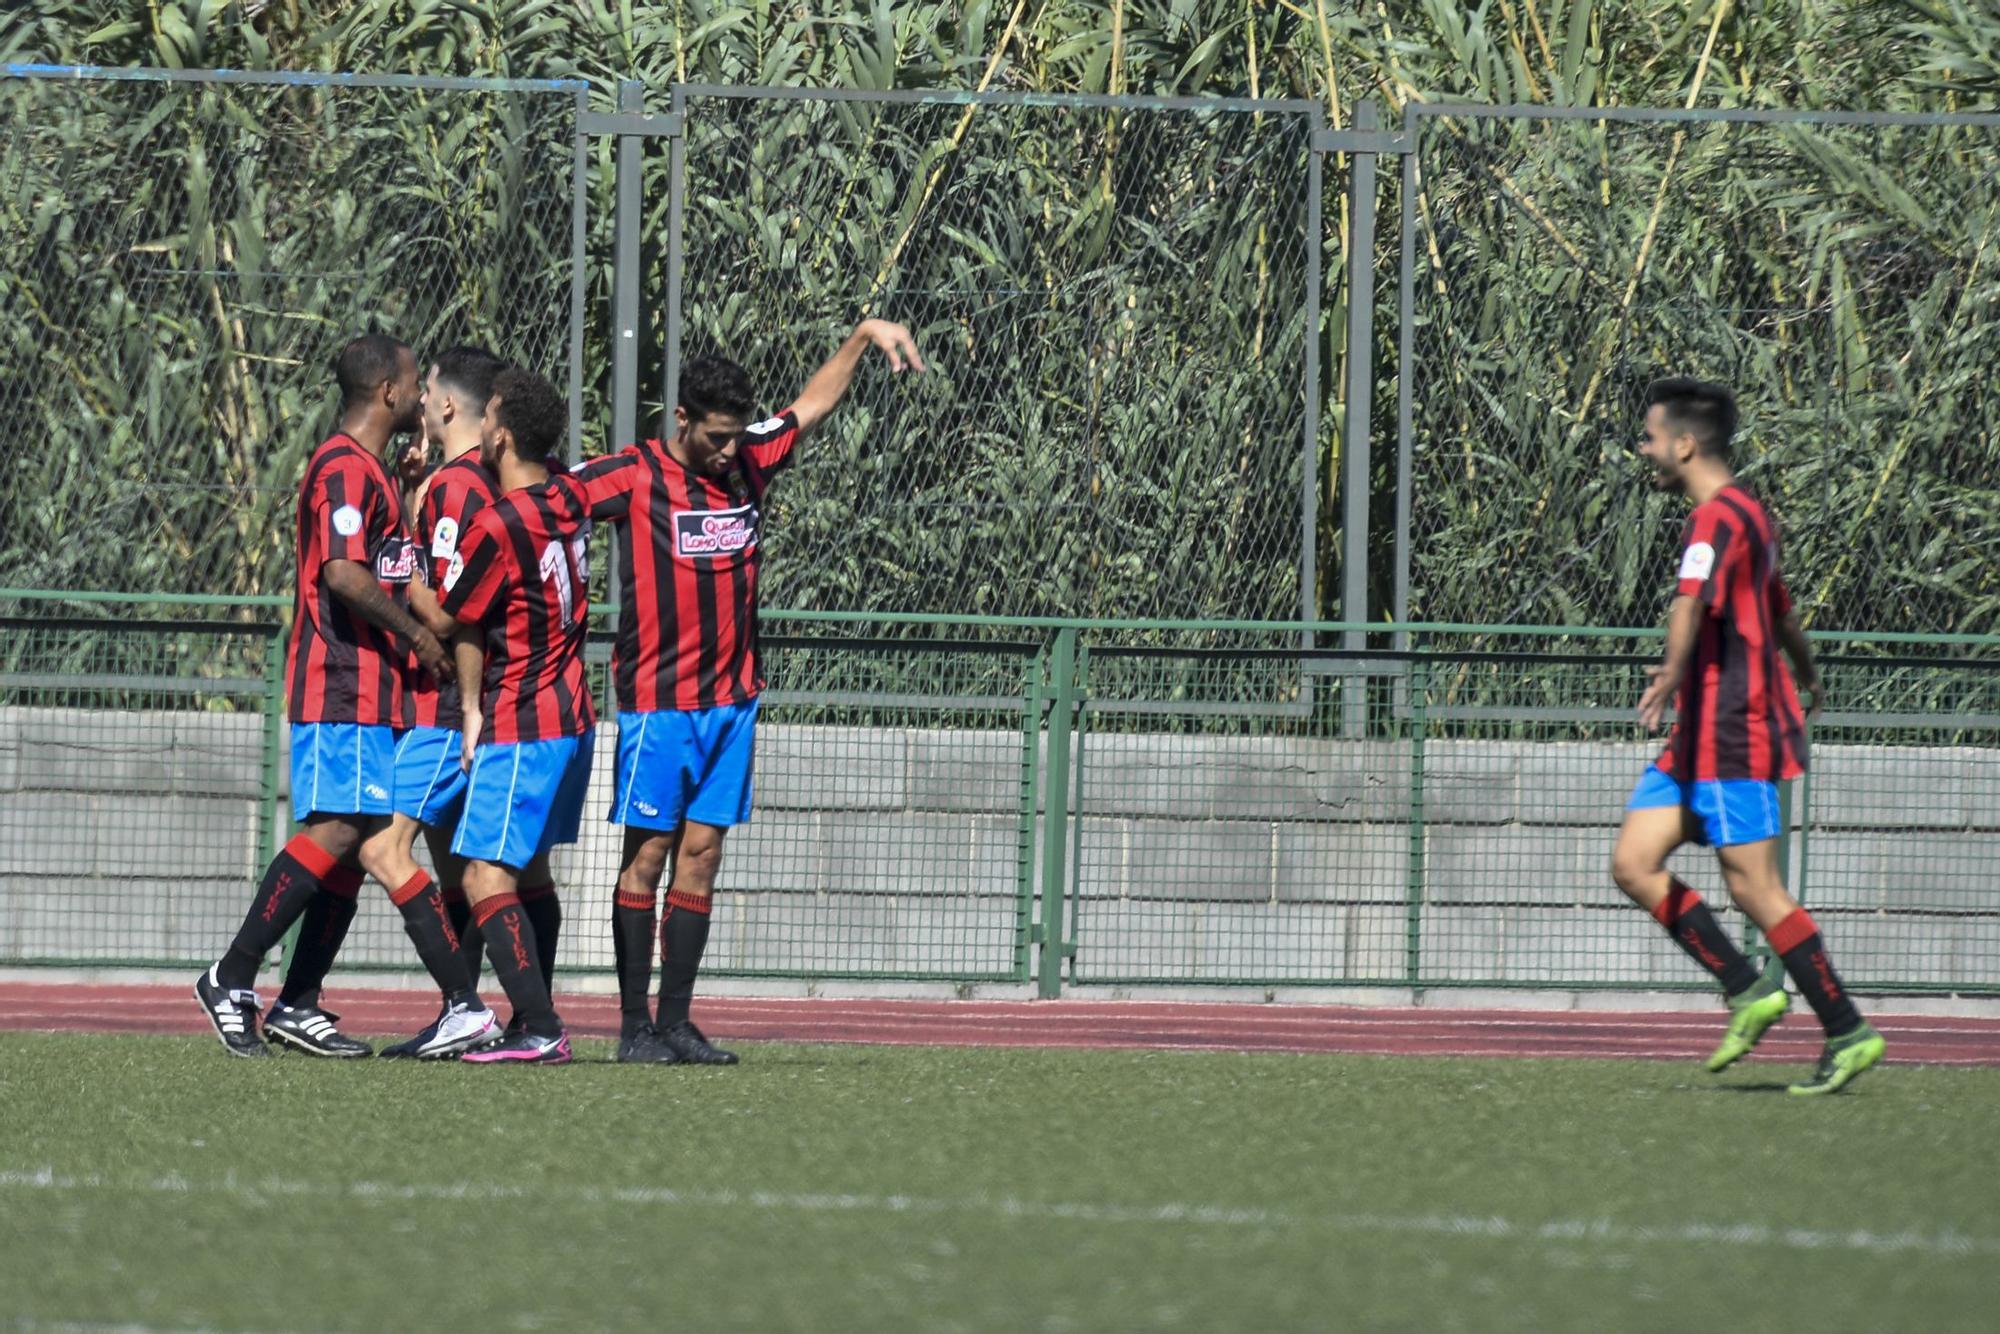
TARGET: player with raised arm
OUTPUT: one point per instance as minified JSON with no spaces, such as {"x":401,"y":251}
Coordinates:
{"x":687,"y":514}
{"x":515,"y":591}
{"x":351,"y":635}
{"x":1738,"y":732}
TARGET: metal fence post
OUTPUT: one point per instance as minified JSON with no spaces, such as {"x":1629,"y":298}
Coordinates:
{"x":1414,"y":891}
{"x":1055,"y":825}
{"x":1355,"y":466}
{"x":1032,"y":699}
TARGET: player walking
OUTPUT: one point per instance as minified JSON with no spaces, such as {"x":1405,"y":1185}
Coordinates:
{"x":350,"y":637}
{"x":516,"y":589}
{"x":685,"y":662}
{"x":1737,"y":734}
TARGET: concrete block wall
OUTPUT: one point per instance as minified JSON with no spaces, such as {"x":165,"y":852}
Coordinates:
{"x":1199,"y":858}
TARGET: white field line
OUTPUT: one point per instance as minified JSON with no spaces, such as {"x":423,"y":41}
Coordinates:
{"x":1564,"y":1231}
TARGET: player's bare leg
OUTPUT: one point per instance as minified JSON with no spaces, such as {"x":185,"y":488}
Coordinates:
{"x":1639,"y":864}
{"x":493,"y":891}
{"x":1852,"y":1045}
{"x":697,"y":857}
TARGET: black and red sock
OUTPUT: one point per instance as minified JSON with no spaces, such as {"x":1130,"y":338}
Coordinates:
{"x":289,"y":884}
{"x":544,"y":909}
{"x":322,"y":931}
{"x":510,"y":945}
{"x":683,"y":937}
{"x":428,"y":924}
{"x":1796,"y":941}
{"x":1694,"y":928}
{"x":470,"y":942}
{"x":633,"y":921}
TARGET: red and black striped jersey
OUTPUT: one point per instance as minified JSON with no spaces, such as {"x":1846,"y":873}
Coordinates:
{"x":341,"y":668}
{"x":688,"y":556}
{"x":520,"y":574}
{"x":456,"y":491}
{"x":1737,"y":713}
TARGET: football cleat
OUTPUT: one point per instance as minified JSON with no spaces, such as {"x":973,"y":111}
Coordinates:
{"x":233,"y":1013}
{"x":309,"y":1029}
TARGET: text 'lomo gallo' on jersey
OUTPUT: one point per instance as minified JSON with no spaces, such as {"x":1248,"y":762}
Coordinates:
{"x":520,"y":574}
{"x":689,"y":551}
{"x":342,"y":669}
{"x":1737,"y":712}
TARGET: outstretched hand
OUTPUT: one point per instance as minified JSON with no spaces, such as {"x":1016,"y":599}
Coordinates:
{"x":896,"y":344}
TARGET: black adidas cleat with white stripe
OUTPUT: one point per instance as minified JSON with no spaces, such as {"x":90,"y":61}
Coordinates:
{"x":309,"y":1029}
{"x":233,"y":1013}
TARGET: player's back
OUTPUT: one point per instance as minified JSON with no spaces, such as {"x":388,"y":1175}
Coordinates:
{"x":530,"y":545}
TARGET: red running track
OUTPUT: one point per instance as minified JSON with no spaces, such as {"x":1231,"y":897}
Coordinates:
{"x":1913,"y":1039}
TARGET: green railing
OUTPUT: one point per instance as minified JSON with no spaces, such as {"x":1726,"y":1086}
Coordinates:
{"x":1063,"y":803}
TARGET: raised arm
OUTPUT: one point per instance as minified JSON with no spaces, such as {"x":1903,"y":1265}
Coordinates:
{"x":830,"y":382}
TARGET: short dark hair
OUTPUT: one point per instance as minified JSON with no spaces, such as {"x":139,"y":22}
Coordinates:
{"x":531,"y":408}
{"x":715,"y":384}
{"x":1705,"y":411}
{"x":365,"y":364}
{"x":470,"y":371}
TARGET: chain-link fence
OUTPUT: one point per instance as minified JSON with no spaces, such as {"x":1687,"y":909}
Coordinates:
{"x":183,"y":253}
{"x":935,"y":808}
{"x":1114,"y":296}
{"x":1838,"y":271}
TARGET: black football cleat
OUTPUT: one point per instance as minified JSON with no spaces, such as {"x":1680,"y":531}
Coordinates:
{"x":309,"y":1029}
{"x":647,"y":1047}
{"x":233,"y":1013}
{"x":691,"y":1047}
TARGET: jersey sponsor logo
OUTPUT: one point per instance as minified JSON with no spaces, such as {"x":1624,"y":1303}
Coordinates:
{"x":715,"y":532}
{"x":444,"y":539}
{"x":1697,"y":561}
{"x":396,"y":561}
{"x":347,"y":521}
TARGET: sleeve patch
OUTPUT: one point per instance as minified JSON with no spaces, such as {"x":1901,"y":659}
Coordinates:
{"x":1697,"y":561}
{"x":444,"y":539}
{"x":769,"y":426}
{"x":455,"y":569}
{"x":347,"y":521}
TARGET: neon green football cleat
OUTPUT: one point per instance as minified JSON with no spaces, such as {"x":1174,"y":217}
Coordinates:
{"x":1750,"y":1016}
{"x":1842,"y":1060}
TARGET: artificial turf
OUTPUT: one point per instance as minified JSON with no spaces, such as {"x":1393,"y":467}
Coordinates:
{"x":154,"y":1182}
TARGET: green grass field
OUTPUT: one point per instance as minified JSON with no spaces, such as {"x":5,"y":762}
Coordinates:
{"x":152,"y":1182}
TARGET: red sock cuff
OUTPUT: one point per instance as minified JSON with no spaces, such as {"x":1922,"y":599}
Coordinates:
{"x":1669,"y":910}
{"x":636,"y":901}
{"x":485,"y":910}
{"x":411,"y":888}
{"x":529,"y":893}
{"x":343,"y":882}
{"x":676,"y":899}
{"x":1793,"y":932}
{"x":310,"y":855}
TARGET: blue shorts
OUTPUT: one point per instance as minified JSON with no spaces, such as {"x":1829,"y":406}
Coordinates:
{"x":524,"y":797}
{"x":1731,"y":810}
{"x":342,"y":769}
{"x":677,"y":765}
{"x":430,"y":785}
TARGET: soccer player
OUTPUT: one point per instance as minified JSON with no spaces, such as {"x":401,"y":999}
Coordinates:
{"x":1737,"y":734}
{"x":685,"y":662}
{"x":516,"y":590}
{"x":350,"y":637}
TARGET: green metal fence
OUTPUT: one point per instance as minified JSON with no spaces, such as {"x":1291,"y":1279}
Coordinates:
{"x":1227,"y":805}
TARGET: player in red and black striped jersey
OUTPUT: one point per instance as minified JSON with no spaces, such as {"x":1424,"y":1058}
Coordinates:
{"x":688,"y":515}
{"x":351,"y":634}
{"x":1738,"y":732}
{"x":516,"y":590}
